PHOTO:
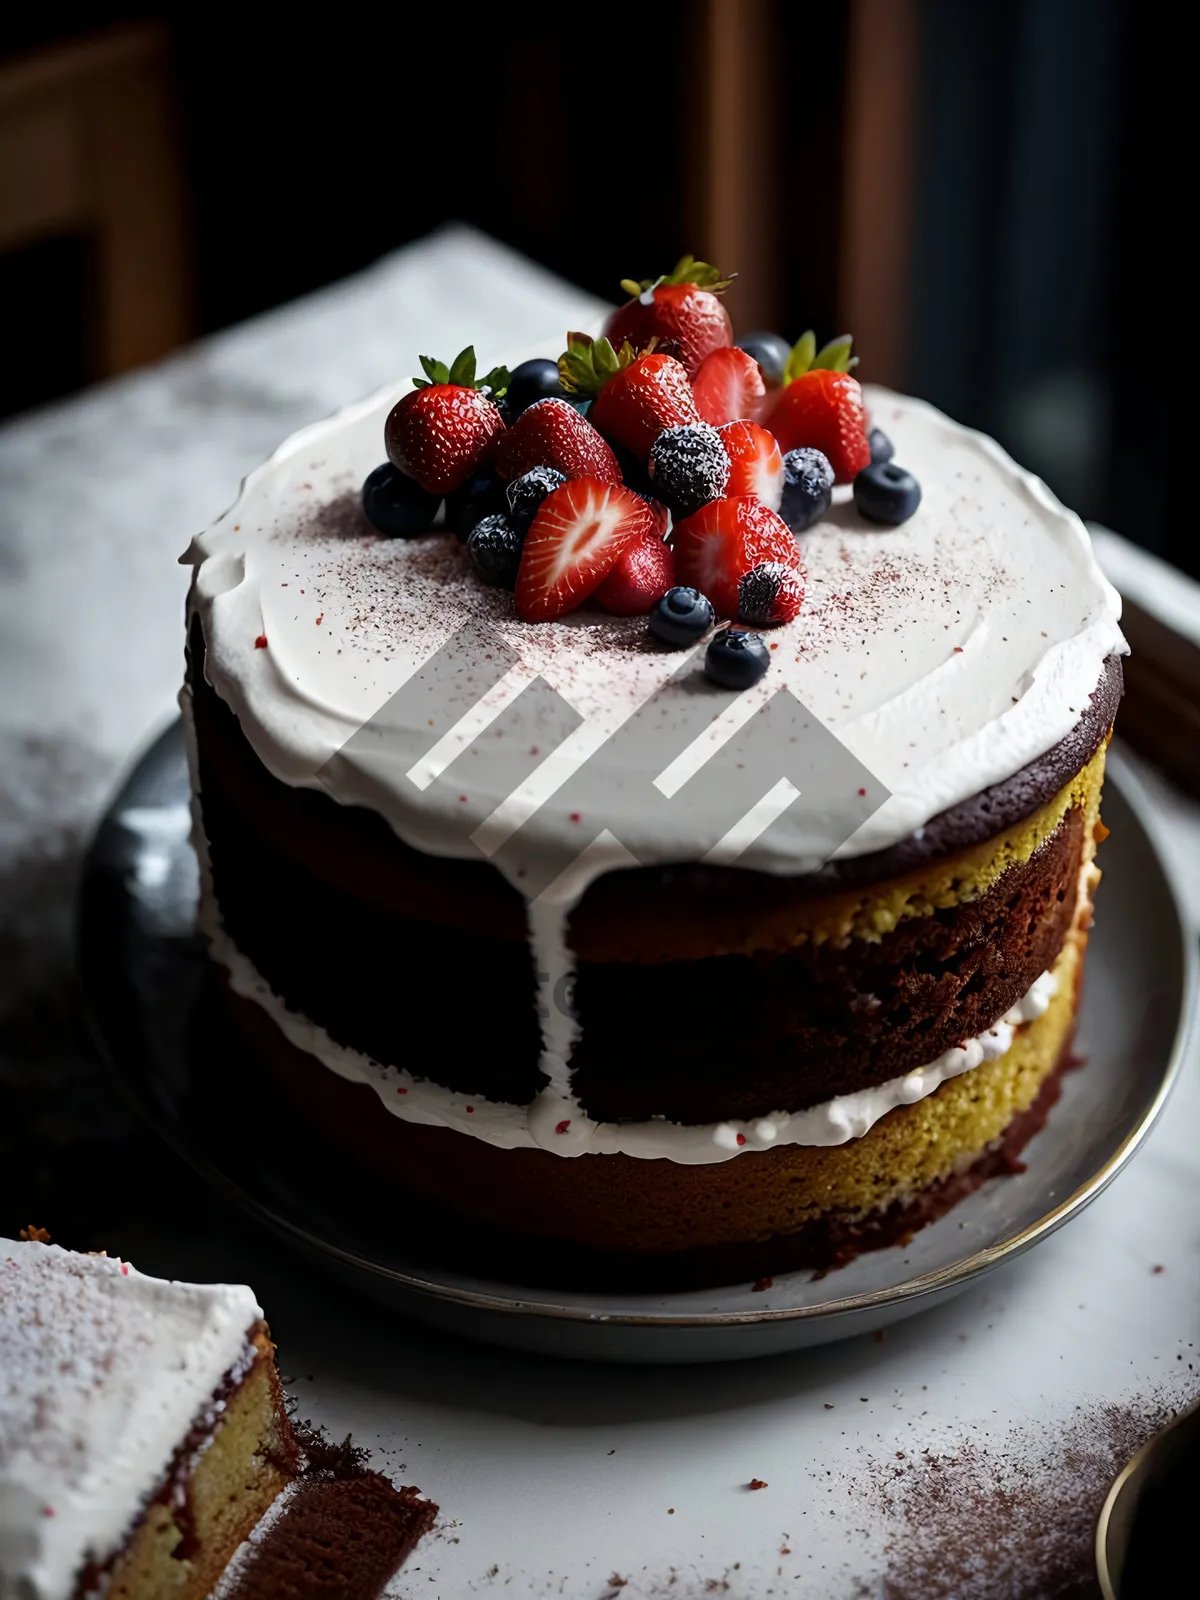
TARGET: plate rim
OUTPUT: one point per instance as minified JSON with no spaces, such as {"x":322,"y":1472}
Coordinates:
{"x":517,"y":1304}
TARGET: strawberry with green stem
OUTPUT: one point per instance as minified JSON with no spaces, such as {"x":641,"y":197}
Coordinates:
{"x":682,"y":310}
{"x":821,"y":405}
{"x":448,"y":427}
{"x":637,"y":394}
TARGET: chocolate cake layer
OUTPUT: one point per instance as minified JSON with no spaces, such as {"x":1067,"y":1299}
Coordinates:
{"x":697,"y":1041}
{"x":354,"y":850}
{"x":622,"y":1222}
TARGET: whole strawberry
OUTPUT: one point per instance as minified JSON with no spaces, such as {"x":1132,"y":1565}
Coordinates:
{"x":681,"y":309}
{"x":637,"y":396}
{"x":821,"y":406}
{"x":447,"y":427}
{"x":551,"y":433}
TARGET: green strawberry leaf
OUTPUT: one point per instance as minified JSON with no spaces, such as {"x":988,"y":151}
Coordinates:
{"x":463,"y":370}
{"x":435,"y":371}
{"x":587,"y":364}
{"x":686,"y":270}
{"x":801,"y":358}
{"x":497,"y":380}
{"x":835,"y":356}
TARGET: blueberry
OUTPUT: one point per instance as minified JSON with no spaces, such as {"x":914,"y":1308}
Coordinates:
{"x":532,"y":380}
{"x":885,"y":492}
{"x":494,"y":547}
{"x":681,"y":617}
{"x":882,"y":448}
{"x":770,"y":350}
{"x":688,"y":467}
{"x":397,"y":506}
{"x":526,"y":494}
{"x":473,"y":500}
{"x":736,"y":660}
{"x":769,"y":593}
{"x":807,"y":488}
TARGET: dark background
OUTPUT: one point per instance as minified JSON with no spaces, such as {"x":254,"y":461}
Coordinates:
{"x":1036,"y":271}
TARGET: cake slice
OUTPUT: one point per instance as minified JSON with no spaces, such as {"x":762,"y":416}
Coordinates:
{"x":142,"y":1428}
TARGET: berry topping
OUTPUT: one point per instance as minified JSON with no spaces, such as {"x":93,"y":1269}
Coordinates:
{"x":807,"y":488}
{"x":885,"y":492}
{"x":822,"y":405}
{"x":530,"y":382}
{"x":881,"y":447}
{"x":640,"y":578}
{"x":446,"y":428}
{"x":728,"y":386}
{"x":719,"y":544}
{"x":771,"y":351}
{"x":481,"y":494}
{"x":395,"y":505}
{"x":579,"y":534}
{"x":682,"y":309}
{"x":681,"y":617}
{"x":525,"y":494}
{"x":770,"y":594}
{"x":755,"y":462}
{"x":551,"y":433}
{"x":636,"y":396}
{"x":688,"y":467}
{"x":736,"y":660}
{"x":494,"y":547}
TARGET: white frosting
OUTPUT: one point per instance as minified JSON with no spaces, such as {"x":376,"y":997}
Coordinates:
{"x":945,"y":655}
{"x":512,"y":1127}
{"x":102,"y":1374}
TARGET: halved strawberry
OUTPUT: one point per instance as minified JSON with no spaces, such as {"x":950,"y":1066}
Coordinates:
{"x":723,"y":541}
{"x":636,"y":396}
{"x":821,"y":405}
{"x":755,"y":462}
{"x":680,"y":309}
{"x":551,"y":433}
{"x":728,"y":386}
{"x":440,"y":433}
{"x":640,"y":578}
{"x":579,"y":534}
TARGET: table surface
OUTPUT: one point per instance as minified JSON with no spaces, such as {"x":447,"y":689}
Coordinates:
{"x":961,"y":1454}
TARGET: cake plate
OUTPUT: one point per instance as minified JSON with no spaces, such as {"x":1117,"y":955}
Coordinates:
{"x":144,"y":974}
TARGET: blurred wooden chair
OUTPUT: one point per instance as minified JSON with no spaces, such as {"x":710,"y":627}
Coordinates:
{"x":89,"y":148}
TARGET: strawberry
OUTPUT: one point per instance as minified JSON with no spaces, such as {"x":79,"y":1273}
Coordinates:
{"x":755,"y":462}
{"x":579,"y":534}
{"x":728,"y":386}
{"x":681,"y":309}
{"x":636,"y":396}
{"x":447,"y":427}
{"x":723,"y":541}
{"x":640,"y":578}
{"x":770,"y":593}
{"x":551,"y":433}
{"x":821,"y":405}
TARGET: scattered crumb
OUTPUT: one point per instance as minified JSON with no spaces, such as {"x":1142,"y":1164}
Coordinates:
{"x":757,"y":1483}
{"x":35,"y":1235}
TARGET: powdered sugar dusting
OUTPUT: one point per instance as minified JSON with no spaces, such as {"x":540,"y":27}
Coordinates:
{"x":104,"y":1373}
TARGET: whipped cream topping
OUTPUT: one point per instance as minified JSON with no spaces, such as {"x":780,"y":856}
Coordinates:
{"x":513,"y":1127}
{"x":943,"y":655}
{"x":103,"y":1373}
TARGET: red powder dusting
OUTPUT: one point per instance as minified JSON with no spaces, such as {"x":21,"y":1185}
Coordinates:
{"x":563,"y":1125}
{"x":862,"y":791}
{"x":757,"y":1483}
{"x":124,"y":1269}
{"x":261,"y":642}
{"x":760,"y":1284}
{"x":575,"y":817}
{"x":47,"y":1511}
{"x":401,"y":1091}
{"x":741,"y":1138}
{"x":470,"y":1109}
{"x":958,"y":649}
{"x":1006,"y":1516}
{"x":320,"y":619}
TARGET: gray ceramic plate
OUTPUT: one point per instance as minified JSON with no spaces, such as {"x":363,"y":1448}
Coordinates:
{"x":143,"y":971}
